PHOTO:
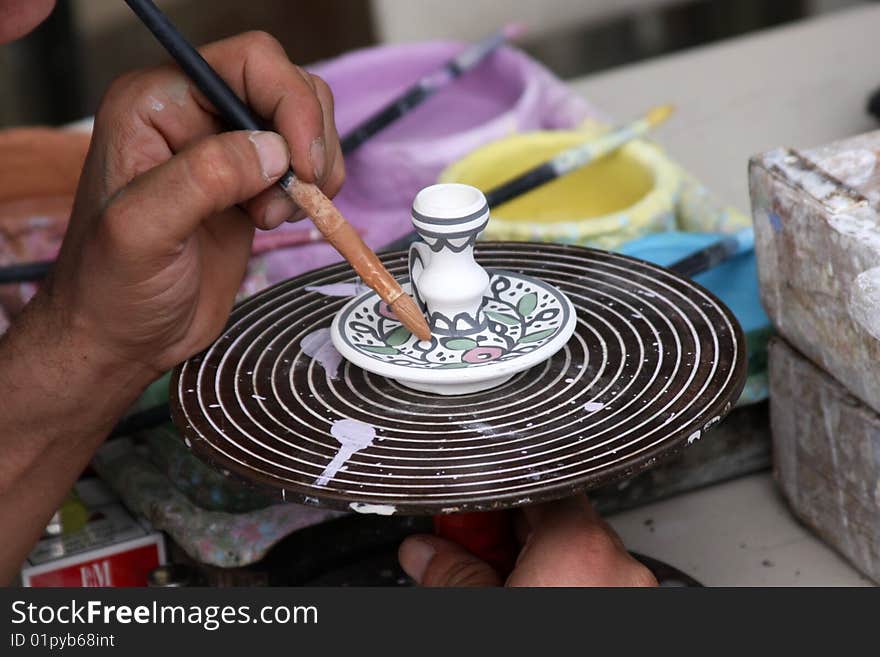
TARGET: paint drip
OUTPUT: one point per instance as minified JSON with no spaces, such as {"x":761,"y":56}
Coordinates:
{"x":353,"y":436}
{"x":319,"y":346}
{"x":375,"y":509}
{"x":339,"y":289}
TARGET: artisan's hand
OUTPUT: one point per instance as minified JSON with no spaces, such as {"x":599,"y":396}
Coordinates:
{"x":157,"y":248}
{"x":151,"y":262}
{"x":565,"y":543}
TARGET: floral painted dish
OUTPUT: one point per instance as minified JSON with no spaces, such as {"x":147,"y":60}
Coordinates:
{"x":527,"y":321}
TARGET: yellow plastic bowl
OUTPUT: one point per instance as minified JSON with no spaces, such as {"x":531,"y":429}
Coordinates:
{"x":627,"y":194}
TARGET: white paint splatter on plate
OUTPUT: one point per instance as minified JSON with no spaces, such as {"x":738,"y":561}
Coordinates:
{"x":353,"y":436}
{"x":319,"y":346}
{"x":375,"y":509}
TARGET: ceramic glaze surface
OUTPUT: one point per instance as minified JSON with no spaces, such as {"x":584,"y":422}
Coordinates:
{"x":448,"y":284}
{"x":523,"y":315}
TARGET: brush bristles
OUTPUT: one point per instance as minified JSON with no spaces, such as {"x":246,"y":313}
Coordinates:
{"x":411,"y":317}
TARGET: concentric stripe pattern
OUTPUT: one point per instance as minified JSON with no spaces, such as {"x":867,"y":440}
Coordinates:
{"x":655,"y":362}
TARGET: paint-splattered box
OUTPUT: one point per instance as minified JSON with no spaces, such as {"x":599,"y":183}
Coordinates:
{"x":826,"y":456}
{"x":817,"y":240}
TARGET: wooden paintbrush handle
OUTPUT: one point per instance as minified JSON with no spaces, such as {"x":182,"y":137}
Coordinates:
{"x":345,"y":239}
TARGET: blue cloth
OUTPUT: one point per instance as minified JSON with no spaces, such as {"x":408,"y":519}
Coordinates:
{"x":734,"y":281}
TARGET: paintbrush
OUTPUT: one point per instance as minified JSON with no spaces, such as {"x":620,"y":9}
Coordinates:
{"x":310,"y":198}
{"x":714,"y":254}
{"x":576,"y":157}
{"x":428,"y":85}
{"x":564,"y":163}
{"x":25,"y":272}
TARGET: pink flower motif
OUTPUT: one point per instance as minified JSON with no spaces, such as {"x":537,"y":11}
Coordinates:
{"x":385,"y":311}
{"x":481,"y":354}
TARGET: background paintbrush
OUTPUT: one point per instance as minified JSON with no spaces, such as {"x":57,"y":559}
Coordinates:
{"x":576,"y":157}
{"x":562,"y":164}
{"x":428,"y":86}
{"x":715,"y":253}
{"x":25,"y":272}
{"x":320,"y":209}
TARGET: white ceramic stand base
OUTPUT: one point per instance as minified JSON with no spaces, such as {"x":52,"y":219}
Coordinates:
{"x":455,"y":388}
{"x":527,"y":322}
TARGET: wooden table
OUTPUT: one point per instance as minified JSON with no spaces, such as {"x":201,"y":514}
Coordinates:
{"x":800,"y":85}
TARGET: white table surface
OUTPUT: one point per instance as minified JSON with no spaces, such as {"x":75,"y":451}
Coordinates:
{"x":801,"y":85}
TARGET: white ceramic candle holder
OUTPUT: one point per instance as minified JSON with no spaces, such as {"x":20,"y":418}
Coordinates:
{"x":486,"y":325}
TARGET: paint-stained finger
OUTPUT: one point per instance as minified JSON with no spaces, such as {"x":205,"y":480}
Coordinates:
{"x":259,"y":70}
{"x":162,"y":100}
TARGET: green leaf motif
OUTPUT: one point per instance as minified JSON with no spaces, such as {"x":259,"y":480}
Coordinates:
{"x":460,"y":344}
{"x":398,"y":336}
{"x":449,"y":366}
{"x":527,"y":304}
{"x":510,"y":320}
{"x":539,"y":335}
{"x":387,"y":351}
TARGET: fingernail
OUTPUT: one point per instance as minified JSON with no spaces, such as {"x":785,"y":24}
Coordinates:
{"x":415,"y":555}
{"x":278,"y":210}
{"x":317,"y":156}
{"x":272,"y":153}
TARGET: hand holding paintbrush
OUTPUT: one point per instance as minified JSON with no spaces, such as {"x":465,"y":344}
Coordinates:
{"x":310,"y":198}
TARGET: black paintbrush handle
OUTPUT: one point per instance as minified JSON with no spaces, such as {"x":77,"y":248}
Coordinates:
{"x":707,"y":258}
{"x":420,"y":91}
{"x":414,"y":96}
{"x":25,"y":272}
{"x":540,"y":175}
{"x":234,"y":111}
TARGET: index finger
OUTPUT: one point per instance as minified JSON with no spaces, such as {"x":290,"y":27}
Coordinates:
{"x":164,"y":100}
{"x":258,"y":69}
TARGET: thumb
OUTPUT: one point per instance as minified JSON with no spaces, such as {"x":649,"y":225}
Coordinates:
{"x":168,"y":202}
{"x":434,"y":561}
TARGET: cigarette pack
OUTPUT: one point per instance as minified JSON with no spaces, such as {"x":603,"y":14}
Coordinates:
{"x":106,"y":546}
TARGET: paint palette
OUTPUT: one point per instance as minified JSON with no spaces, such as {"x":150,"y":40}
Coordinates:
{"x":654,"y":362}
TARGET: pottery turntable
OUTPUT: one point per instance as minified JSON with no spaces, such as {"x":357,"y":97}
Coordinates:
{"x":551,"y":369}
